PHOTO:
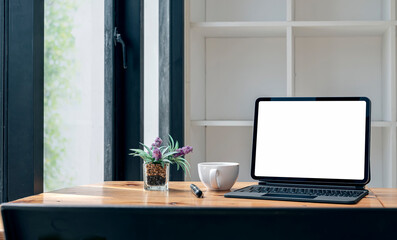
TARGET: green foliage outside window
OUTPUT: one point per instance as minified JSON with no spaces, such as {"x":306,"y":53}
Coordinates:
{"x":59,"y":68}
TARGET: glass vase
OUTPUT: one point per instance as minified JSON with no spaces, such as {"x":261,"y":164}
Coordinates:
{"x":155,"y":176}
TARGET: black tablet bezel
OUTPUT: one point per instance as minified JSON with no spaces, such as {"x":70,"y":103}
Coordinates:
{"x":316,"y":180}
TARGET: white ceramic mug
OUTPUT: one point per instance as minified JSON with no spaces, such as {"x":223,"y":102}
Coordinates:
{"x":218,"y":175}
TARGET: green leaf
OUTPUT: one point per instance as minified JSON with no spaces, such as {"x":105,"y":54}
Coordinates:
{"x":147,"y":161}
{"x":187,"y":170}
{"x":164,"y":150}
{"x":138,"y":151}
{"x":171,"y":141}
{"x":185,"y":161}
{"x":135,"y":150}
{"x":176,"y":145}
{"x":181,"y":159}
{"x":147,"y":148}
{"x":184,"y":166}
{"x":169,"y":154}
{"x":145,"y":155}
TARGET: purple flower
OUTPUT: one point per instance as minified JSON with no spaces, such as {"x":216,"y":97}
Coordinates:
{"x":157,"y":143}
{"x":183,"y":151}
{"x":156,"y":154}
{"x":179,"y":152}
{"x":187,"y":150}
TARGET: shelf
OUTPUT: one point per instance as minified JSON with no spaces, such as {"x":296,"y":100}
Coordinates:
{"x":342,"y":28}
{"x":276,"y":10}
{"x":238,"y":29}
{"x":303,"y":28}
{"x":351,"y":24}
{"x":247,"y":123}
{"x":238,"y":50}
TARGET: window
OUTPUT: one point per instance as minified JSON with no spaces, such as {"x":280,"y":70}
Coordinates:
{"x":89,"y":110}
{"x":73,"y":92}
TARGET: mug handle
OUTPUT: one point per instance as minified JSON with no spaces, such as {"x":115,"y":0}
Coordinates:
{"x":214,"y":178}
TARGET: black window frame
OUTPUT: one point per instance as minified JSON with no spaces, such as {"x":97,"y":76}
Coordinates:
{"x":22,"y":86}
{"x":123,"y":90}
{"x":171,"y":82}
{"x":123,"y":126}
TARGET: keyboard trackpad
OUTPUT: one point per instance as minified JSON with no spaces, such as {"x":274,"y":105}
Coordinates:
{"x":288,"y":195}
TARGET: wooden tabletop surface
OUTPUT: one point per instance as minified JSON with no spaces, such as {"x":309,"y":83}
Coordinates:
{"x":179,"y":194}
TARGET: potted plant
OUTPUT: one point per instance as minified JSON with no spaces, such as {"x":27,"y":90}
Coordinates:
{"x":157,"y":160}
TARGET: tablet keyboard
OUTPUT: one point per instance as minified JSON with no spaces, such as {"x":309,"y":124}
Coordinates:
{"x":300,"y":194}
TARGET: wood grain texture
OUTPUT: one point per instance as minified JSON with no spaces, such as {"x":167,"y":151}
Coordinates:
{"x":386,"y":196}
{"x":132,"y":193}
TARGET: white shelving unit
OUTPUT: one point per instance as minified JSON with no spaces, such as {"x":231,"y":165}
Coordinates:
{"x":238,"y":50}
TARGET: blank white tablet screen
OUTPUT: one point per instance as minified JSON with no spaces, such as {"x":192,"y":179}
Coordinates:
{"x":311,"y":139}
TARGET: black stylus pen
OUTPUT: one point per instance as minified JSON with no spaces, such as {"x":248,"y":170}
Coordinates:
{"x":196,"y":191}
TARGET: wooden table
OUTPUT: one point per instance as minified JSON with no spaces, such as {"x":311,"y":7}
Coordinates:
{"x":179,"y":195}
